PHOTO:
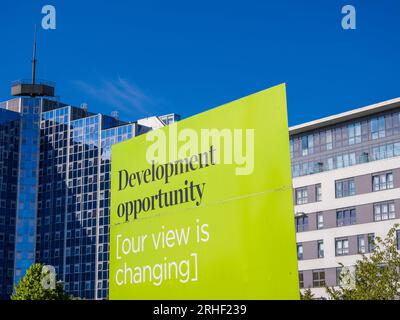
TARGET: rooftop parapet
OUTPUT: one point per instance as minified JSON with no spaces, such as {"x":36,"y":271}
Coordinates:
{"x":41,"y":88}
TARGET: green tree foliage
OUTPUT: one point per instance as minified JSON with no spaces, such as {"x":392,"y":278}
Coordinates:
{"x":31,"y":286}
{"x":307,"y":295}
{"x":376,"y":276}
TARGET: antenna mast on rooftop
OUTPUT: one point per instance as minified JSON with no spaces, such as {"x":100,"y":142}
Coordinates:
{"x":33,"y":88}
{"x":34,"y":58}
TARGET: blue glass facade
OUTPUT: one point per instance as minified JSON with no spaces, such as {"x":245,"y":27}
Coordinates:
{"x":74,"y":197}
{"x":25,"y":229}
{"x":52,"y":188}
{"x":109,"y":137}
{"x":57,"y":192}
{"x":9,"y":161}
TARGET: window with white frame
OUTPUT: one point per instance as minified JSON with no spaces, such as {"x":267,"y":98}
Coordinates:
{"x":384,"y":211}
{"x":320,"y":220}
{"x":301,"y":196}
{"x":300,"y":252}
{"x":320,"y":249}
{"x":342,"y":247}
{"x":361,"y":247}
{"x":382,"y":181}
{"x":318,"y":278}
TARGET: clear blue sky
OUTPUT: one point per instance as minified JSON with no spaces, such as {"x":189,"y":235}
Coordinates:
{"x":155,"y":57}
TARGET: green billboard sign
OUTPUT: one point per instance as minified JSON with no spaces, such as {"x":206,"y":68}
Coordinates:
{"x":203,"y":209}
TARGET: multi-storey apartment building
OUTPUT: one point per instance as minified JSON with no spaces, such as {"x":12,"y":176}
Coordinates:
{"x":54,"y":188}
{"x":346,"y":179}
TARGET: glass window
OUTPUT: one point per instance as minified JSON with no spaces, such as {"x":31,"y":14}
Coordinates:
{"x":300,"y":252}
{"x":345,"y":160}
{"x":345,"y":188}
{"x":339,"y":276}
{"x":398,"y":239}
{"x":318,"y":278}
{"x":386,"y":151}
{"x":301,"y":196}
{"x":318,"y":167}
{"x":305,"y":169}
{"x":361,"y":248}
{"x":352,"y":159}
{"x":389,"y":151}
{"x":384,"y":211}
{"x":378,"y":128}
{"x":342,"y":247}
{"x":396,"y":149}
{"x":302,"y":223}
{"x":339,"y":161}
{"x":301,"y":280}
{"x":320,"y":246}
{"x":379,"y":153}
{"x":304,"y":145}
{"x":318,"y":192}
{"x":307,"y":145}
{"x":330,"y":164}
{"x":382,"y":181}
{"x":364,"y":157}
{"x":354,"y":133}
{"x":291,"y":148}
{"x":296,"y":170}
{"x":345,"y":217}
{"x":371,"y":242}
{"x":320,"y":220}
{"x":329,"y":143}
